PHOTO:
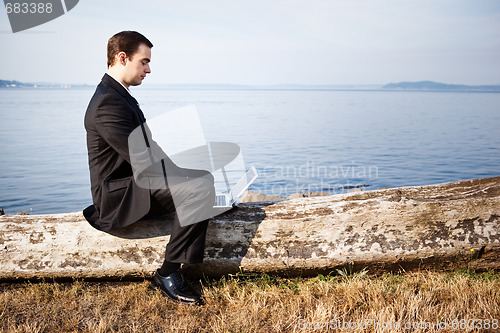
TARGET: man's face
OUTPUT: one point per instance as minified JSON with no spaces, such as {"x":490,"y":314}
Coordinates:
{"x":137,"y":66}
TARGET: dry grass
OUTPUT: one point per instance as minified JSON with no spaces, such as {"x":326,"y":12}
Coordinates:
{"x":257,"y":304}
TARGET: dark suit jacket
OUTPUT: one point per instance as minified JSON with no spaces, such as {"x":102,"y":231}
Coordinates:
{"x":111,"y":116}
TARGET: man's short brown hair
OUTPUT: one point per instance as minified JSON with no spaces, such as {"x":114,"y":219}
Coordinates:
{"x":125,"y":41}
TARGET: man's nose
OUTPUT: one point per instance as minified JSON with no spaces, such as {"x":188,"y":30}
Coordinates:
{"x":148,"y":69}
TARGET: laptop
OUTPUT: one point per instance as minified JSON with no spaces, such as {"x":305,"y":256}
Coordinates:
{"x":229,"y":199}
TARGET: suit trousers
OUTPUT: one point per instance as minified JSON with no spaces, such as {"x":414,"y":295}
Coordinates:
{"x":191,"y":197}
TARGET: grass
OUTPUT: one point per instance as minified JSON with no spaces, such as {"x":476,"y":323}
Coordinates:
{"x":262,"y":303}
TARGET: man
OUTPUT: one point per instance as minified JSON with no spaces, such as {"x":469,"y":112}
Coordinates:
{"x":120,"y":196}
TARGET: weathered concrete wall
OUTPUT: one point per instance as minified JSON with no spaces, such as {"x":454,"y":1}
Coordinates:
{"x":424,"y":226}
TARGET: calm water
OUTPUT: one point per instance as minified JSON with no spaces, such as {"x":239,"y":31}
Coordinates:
{"x":298,"y":140}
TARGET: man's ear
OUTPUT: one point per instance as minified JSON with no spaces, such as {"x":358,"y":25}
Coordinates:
{"x":121,"y":58}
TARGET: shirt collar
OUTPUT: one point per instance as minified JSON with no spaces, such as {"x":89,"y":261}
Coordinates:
{"x":121,"y":84}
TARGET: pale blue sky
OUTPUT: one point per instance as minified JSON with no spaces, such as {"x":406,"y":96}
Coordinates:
{"x":268,"y":42}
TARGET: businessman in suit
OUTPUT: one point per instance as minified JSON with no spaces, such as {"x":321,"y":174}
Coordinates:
{"x":120,"y":196}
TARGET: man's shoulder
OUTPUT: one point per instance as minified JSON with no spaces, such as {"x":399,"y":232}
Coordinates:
{"x":105,"y":95}
{"x":106,"y":89}
{"x":108,"y":100}
{"x":109,"y":88}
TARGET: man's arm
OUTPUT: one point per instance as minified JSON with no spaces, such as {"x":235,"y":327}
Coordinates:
{"x":117,"y":125}
{"x":114,"y":122}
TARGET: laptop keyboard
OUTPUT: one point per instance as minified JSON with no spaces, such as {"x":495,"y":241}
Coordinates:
{"x":221,"y":200}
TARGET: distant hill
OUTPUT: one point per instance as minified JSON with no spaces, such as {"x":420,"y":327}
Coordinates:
{"x":430,"y":85}
{"x":17,"y":84}
{"x":13,"y":84}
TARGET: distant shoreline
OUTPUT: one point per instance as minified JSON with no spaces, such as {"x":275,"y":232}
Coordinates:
{"x":421,"y":86}
{"x":436,"y":86}
{"x":9,"y":84}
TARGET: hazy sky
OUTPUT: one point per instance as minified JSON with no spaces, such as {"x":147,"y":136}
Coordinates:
{"x":268,"y":42}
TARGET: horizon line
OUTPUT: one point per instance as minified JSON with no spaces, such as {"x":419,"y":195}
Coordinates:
{"x":241,"y":85}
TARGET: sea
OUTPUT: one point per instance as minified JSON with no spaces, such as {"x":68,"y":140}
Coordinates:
{"x":299,"y":140}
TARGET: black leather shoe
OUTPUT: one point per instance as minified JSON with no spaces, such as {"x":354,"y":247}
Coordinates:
{"x":176,"y":288}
